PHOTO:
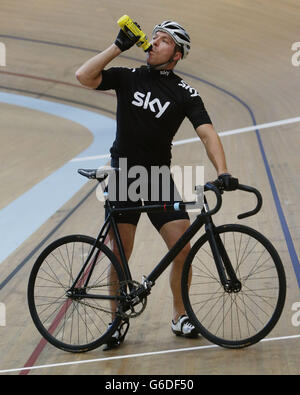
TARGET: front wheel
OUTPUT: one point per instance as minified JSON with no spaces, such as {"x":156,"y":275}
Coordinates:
{"x":237,"y":319}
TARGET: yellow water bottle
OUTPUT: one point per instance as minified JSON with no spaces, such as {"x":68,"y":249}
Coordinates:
{"x":132,"y":30}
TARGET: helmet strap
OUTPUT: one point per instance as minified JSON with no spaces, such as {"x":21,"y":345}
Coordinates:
{"x":162,"y":65}
{"x":159,"y":66}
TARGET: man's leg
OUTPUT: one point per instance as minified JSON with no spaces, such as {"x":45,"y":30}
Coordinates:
{"x":171,"y":232}
{"x":127,"y":234}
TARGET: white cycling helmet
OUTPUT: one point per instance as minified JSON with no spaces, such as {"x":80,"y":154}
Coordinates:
{"x":178,"y":33}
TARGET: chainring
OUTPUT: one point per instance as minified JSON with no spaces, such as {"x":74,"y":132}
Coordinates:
{"x":136,"y":309}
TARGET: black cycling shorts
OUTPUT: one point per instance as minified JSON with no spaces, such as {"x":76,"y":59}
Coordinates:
{"x":139,"y":191}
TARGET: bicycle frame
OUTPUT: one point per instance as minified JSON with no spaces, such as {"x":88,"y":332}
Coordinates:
{"x":225,"y":270}
{"x":110,"y":222}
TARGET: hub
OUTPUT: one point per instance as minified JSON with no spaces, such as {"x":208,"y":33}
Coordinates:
{"x":76,"y":293}
{"x":233,"y":286}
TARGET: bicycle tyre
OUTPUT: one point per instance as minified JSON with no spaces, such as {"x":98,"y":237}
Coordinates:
{"x":248,"y":315}
{"x":56,"y":316}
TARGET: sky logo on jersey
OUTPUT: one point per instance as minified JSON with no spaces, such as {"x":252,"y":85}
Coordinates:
{"x":142,"y":100}
{"x":186,"y":86}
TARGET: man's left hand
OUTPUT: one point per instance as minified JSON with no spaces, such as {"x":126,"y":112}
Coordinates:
{"x":229,"y":183}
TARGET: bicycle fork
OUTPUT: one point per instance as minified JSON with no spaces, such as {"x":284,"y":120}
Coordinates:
{"x":225,"y":270}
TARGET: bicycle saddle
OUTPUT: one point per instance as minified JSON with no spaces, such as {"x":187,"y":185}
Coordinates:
{"x":98,"y":174}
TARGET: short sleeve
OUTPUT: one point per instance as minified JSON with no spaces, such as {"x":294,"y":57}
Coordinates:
{"x":111,"y":79}
{"x":196,"y":111}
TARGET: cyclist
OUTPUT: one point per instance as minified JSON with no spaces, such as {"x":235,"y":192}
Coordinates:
{"x":152,"y":103}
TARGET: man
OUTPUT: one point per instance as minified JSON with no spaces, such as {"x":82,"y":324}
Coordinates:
{"x":152,"y":103}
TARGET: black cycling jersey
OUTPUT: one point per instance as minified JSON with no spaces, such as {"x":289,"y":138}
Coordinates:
{"x":151,"y":107}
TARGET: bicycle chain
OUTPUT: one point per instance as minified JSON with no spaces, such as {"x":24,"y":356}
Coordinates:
{"x":132,"y":314}
{"x":143,"y":302}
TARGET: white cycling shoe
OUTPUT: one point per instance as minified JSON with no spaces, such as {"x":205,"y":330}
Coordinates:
{"x":183,"y":327}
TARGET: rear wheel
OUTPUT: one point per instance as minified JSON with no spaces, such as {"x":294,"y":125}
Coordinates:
{"x":242,"y":318}
{"x":73,"y":322}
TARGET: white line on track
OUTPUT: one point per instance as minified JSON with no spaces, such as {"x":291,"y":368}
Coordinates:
{"x":147,"y":354}
{"x":221,"y":134}
{"x":84,"y":158}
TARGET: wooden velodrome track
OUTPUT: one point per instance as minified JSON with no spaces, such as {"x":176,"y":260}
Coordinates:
{"x":241,"y":64}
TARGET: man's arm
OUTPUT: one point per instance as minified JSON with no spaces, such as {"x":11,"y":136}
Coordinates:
{"x":213,"y":146}
{"x":90,"y":73}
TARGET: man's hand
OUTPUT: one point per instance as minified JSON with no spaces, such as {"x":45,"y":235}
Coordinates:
{"x":229,"y":183}
{"x":123,"y":42}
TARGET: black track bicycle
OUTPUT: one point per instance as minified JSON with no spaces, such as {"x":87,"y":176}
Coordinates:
{"x":233,"y":280}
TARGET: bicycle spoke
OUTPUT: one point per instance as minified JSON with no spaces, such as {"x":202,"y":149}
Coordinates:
{"x":234,"y":318}
{"x":63,"y":312}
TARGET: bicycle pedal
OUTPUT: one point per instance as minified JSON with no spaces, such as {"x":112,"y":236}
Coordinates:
{"x":110,"y":345}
